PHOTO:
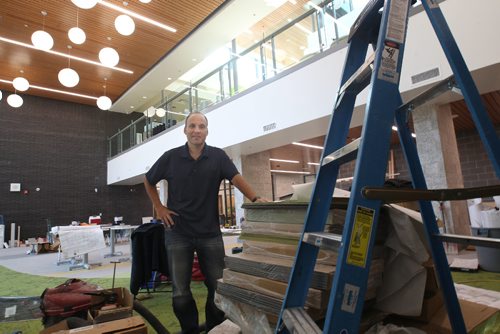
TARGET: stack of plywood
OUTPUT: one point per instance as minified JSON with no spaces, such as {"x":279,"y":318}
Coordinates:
{"x":258,"y":277}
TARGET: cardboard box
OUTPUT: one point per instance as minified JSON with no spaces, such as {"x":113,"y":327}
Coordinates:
{"x":474,"y":315}
{"x":125,"y":302}
{"x":132,"y":325}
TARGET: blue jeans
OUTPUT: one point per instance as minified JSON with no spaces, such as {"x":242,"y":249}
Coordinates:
{"x":180,"y":252}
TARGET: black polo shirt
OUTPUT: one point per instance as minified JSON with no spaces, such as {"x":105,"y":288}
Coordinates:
{"x":193,"y":187}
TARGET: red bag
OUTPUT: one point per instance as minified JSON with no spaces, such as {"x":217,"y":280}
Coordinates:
{"x":72,"y":298}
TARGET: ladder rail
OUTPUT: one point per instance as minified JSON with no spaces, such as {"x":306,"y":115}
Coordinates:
{"x":306,"y":254}
{"x":430,"y":227}
{"x":465,"y":82}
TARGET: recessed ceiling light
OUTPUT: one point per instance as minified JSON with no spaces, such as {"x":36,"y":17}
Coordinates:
{"x":144,"y":97}
{"x":194,"y":59}
{"x":169,"y":78}
{"x":132,"y":107}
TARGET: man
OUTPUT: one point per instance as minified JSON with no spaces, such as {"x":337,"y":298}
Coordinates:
{"x":194,"y":172}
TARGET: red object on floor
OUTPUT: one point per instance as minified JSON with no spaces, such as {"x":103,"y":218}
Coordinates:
{"x":197,"y":275}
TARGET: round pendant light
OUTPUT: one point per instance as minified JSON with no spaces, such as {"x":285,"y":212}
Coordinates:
{"x":68,"y":77}
{"x":14,"y":100}
{"x":42,"y":40}
{"x":77,"y":35}
{"x":160,"y":112}
{"x":84,"y":4}
{"x":124,"y":25}
{"x":104,"y":102}
{"x":150,"y":112}
{"x":21,"y":84}
{"x":109,"y":57}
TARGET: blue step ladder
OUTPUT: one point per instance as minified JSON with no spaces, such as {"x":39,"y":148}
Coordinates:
{"x":383,"y":25}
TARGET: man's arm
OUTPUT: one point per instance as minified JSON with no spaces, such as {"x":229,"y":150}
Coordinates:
{"x":162,"y":211}
{"x":239,"y":182}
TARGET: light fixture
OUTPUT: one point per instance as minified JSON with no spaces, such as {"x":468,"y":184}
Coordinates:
{"x":283,"y":160}
{"x":145,"y":1}
{"x":104,"y":102}
{"x":14,"y":100}
{"x":136,"y":16}
{"x":308,"y":145}
{"x":60,"y":54}
{"x":124,"y":25}
{"x":109,"y":57}
{"x":1,"y":95}
{"x":160,"y":112}
{"x":84,"y":4}
{"x":288,"y":172}
{"x":68,"y":77}
{"x":21,"y":84}
{"x":54,"y":90}
{"x":150,"y":112}
{"x":76,"y":34}
{"x":42,"y":39}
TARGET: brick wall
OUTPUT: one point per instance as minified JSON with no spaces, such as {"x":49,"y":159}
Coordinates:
{"x":61,"y":149}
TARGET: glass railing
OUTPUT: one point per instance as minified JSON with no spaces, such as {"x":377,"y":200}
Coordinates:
{"x":313,"y":32}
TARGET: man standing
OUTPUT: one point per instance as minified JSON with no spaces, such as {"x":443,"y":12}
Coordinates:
{"x":194,"y":172}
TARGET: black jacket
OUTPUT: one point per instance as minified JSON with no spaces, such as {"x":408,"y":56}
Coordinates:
{"x":148,"y":254}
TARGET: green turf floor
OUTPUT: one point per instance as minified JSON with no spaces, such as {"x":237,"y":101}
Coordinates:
{"x":15,"y":284}
{"x":18,"y":284}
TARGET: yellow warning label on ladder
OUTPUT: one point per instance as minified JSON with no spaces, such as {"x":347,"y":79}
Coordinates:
{"x":360,"y":237}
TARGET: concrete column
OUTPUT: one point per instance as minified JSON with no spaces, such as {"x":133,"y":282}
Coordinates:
{"x":238,"y":195}
{"x":163,"y":191}
{"x":438,"y":152}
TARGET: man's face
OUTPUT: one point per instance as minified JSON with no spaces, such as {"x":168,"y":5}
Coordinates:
{"x":196,"y":129}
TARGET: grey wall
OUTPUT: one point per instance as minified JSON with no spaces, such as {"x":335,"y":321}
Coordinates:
{"x":61,"y":148}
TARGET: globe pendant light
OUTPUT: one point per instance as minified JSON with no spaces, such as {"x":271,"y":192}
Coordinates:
{"x":21,"y":84}
{"x":104,"y":102}
{"x":109,"y":57}
{"x":160,"y":112}
{"x":67,"y":76}
{"x":14,"y":100}
{"x":84,"y":4}
{"x":75,"y":34}
{"x":124,"y":25}
{"x":42,"y":39}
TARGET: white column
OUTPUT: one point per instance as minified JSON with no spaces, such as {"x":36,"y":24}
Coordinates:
{"x":163,"y":192}
{"x":438,"y":152}
{"x":238,"y":196}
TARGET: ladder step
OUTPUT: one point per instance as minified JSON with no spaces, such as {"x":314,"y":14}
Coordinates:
{"x":324,"y":240}
{"x":469,"y":240}
{"x":391,"y":195}
{"x":297,"y":321}
{"x":359,"y":80}
{"x":344,"y":154}
{"x":431,"y":93}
